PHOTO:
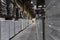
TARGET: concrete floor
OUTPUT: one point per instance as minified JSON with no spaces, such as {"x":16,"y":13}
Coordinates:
{"x":33,"y":32}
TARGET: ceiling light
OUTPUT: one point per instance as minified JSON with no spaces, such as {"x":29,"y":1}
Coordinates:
{"x":44,"y":5}
{"x":31,"y":2}
{"x":34,"y":7}
{"x":40,"y":6}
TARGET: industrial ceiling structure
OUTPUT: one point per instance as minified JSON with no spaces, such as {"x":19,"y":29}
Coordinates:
{"x":14,"y":8}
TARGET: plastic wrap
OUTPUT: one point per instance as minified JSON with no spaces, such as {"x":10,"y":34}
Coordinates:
{"x":52,"y":22}
{"x":4,"y":30}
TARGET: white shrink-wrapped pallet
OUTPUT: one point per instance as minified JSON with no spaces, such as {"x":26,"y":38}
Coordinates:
{"x":11,"y":29}
{"x":52,"y":22}
{"x":27,"y":23}
{"x":23,"y":23}
{"x":20,"y":24}
{"x":4,"y":30}
{"x":16,"y":27}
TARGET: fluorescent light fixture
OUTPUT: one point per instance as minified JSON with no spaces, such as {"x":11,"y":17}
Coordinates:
{"x":34,"y":7}
{"x":3,"y":1}
{"x":31,"y":2}
{"x":40,"y":6}
{"x":44,"y":5}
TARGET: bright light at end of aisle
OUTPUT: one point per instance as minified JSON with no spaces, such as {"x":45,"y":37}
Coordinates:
{"x":33,"y":20}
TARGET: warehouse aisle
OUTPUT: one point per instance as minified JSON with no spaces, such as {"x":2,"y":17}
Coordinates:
{"x":31,"y":33}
